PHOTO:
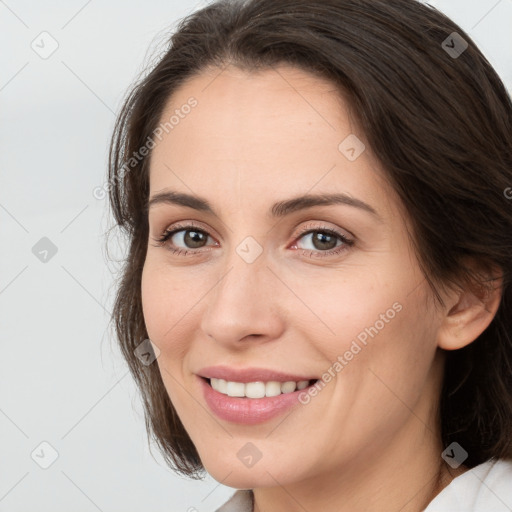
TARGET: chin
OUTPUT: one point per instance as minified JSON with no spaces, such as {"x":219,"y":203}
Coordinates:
{"x":240,"y":477}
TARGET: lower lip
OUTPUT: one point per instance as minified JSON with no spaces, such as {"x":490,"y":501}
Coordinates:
{"x":248,"y":411}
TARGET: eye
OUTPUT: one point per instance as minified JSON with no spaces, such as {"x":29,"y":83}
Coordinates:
{"x":183,"y":238}
{"x":187,"y":239}
{"x":323,"y":241}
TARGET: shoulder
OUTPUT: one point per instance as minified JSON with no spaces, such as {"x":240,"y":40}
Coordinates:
{"x":241,"y":501}
{"x":484,"y":488}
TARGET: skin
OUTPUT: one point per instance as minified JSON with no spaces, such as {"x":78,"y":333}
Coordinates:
{"x":369,"y":441}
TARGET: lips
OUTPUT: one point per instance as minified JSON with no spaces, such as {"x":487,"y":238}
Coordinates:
{"x":250,"y":411}
{"x":252,"y":374}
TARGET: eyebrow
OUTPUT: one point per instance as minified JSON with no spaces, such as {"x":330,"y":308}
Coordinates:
{"x":279,"y":209}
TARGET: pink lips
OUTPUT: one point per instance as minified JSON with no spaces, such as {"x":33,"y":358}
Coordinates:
{"x":250,"y":374}
{"x":248,"y":411}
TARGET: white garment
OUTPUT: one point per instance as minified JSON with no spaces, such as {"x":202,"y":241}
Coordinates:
{"x":241,"y":501}
{"x":484,"y":488}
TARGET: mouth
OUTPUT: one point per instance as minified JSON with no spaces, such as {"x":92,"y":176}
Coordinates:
{"x":257,"y":389}
{"x":247,"y":403}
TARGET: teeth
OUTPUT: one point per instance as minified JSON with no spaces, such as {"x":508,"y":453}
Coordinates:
{"x":272,"y":389}
{"x":288,"y":387}
{"x":235,"y":389}
{"x":302,"y":384}
{"x":222,"y":386}
{"x":256,"y":389}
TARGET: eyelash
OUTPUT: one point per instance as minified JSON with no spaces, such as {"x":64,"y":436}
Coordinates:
{"x":169,"y":233}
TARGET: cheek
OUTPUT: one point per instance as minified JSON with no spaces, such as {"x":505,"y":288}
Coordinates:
{"x":387,"y":362}
{"x":152,"y":303}
{"x":358,"y":307}
{"x":165,"y":310}
{"x":375,"y":323}
{"x":166,"y":305}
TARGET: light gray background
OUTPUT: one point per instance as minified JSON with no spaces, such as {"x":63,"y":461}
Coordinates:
{"x":62,"y":379}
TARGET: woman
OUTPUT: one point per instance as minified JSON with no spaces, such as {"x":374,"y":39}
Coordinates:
{"x":315,"y":197}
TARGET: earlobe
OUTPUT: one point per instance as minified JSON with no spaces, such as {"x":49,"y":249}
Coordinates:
{"x":471,"y":314}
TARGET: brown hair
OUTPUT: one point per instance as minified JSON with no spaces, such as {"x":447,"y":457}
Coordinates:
{"x":441,"y":126}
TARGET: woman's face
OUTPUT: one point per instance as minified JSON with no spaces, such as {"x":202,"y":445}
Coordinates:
{"x":260,"y":286}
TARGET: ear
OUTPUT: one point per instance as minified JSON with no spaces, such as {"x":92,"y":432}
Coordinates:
{"x":469,"y":313}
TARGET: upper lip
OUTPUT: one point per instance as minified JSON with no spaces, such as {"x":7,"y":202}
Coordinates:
{"x":250,"y":374}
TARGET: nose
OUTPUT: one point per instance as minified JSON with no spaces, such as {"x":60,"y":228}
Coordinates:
{"x":244,"y":305}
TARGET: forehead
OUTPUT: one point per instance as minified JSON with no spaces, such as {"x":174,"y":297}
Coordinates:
{"x":238,"y":109}
{"x":253,"y":134}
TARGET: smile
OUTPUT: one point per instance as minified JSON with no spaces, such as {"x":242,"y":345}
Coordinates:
{"x":257,"y":389}
{"x":249,"y":403}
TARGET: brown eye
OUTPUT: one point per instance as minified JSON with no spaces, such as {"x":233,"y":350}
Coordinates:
{"x":324,"y":241}
{"x":185,"y":238}
{"x":194,"y":239}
